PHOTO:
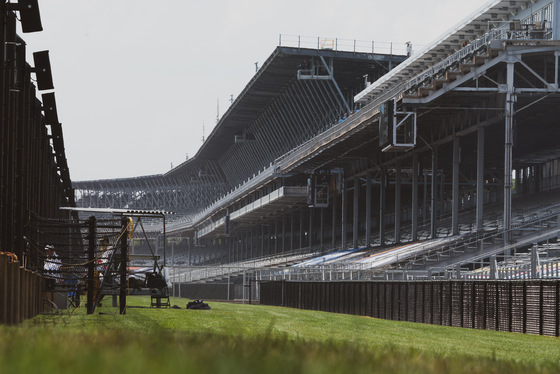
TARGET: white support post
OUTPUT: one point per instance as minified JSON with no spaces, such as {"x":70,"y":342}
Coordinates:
{"x":480,"y":179}
{"x":455,"y":187}
{"x":508,"y":146}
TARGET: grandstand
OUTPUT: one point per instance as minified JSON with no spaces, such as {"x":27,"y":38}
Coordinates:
{"x":342,"y":165}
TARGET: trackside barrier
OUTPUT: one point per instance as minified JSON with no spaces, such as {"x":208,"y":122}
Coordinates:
{"x":21,"y":292}
{"x":531,"y":307}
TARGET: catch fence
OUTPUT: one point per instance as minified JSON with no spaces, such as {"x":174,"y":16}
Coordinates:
{"x":531,"y":306}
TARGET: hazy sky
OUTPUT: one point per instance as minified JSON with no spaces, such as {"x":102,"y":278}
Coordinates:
{"x":135,"y":80}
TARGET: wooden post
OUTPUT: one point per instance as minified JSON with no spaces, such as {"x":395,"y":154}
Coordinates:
{"x":92,"y":238}
{"x":3,"y":288}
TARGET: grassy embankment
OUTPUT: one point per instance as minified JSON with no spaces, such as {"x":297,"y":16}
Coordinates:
{"x":259,"y":339}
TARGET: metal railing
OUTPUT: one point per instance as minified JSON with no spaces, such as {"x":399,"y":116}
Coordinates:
{"x":342,"y":45}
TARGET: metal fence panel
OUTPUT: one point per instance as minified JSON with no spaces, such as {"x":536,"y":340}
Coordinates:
{"x":518,"y":306}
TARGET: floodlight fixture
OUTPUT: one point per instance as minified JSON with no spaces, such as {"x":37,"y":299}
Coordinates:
{"x":43,"y":70}
{"x":49,"y":108}
{"x":29,"y":14}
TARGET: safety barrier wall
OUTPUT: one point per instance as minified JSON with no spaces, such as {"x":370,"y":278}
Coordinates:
{"x":516,"y":306}
{"x":21,"y":292}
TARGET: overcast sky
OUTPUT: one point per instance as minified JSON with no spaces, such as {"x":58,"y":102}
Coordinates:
{"x":136,"y":80}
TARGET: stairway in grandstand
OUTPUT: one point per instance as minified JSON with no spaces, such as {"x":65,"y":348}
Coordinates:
{"x":473,"y":55}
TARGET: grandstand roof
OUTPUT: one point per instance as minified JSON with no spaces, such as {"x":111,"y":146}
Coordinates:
{"x":270,"y":80}
{"x":488,"y":16}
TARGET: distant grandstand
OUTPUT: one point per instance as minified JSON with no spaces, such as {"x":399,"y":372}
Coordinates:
{"x":441,"y":163}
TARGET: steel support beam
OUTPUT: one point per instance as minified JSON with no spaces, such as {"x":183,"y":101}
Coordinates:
{"x":455,"y":187}
{"x":322,"y":229}
{"x":355,"y":219}
{"x":382,"y":204}
{"x":480,"y":179}
{"x":414,"y":195}
{"x":344,"y":212}
{"x":398,"y":202}
{"x":329,"y":70}
{"x":334,"y":215}
{"x":368,"y":209}
{"x":508,"y":147}
{"x":433,"y":195}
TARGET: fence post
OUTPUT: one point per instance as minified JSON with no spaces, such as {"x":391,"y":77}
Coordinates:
{"x":123,"y":259}
{"x":462,"y":303}
{"x":441,"y":302}
{"x":557,"y":308}
{"x":497,"y":307}
{"x":407,"y":300}
{"x":10,"y":295}
{"x":541,"y":309}
{"x":473,"y":304}
{"x":510,"y":306}
{"x":432,"y":299}
{"x":485,"y":306}
{"x":92,"y":237}
{"x":3,"y":288}
{"x":524,"y":307}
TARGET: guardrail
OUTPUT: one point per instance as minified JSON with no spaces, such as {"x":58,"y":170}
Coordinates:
{"x":341,"y":45}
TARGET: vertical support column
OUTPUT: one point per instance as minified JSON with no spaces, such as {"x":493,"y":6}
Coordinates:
{"x":480,"y":179}
{"x":190,"y":242}
{"x":368,"y":209}
{"x":356,"y":211}
{"x":493,"y":267}
{"x":425,"y":195}
{"x":333,"y":228}
{"x":283,"y":232}
{"x":455,"y":187}
{"x":246,"y":243}
{"x":398,"y":202}
{"x":275,"y":236}
{"x":122,"y":268}
{"x":262,"y":241}
{"x":414,"y":195}
{"x":322,"y":229}
{"x":433,"y":232}
{"x":291,"y":231}
{"x":538,"y":174}
{"x":382,"y":187}
{"x":344,"y":212}
{"x":300,"y":229}
{"x":92,"y":241}
{"x":310,"y":232}
{"x":508,"y":182}
{"x":534,"y":262}
{"x":251,"y":243}
{"x":556,"y":16}
{"x":442,"y":194}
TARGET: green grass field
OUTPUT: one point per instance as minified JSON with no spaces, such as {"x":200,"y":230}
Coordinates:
{"x":233,"y":338}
